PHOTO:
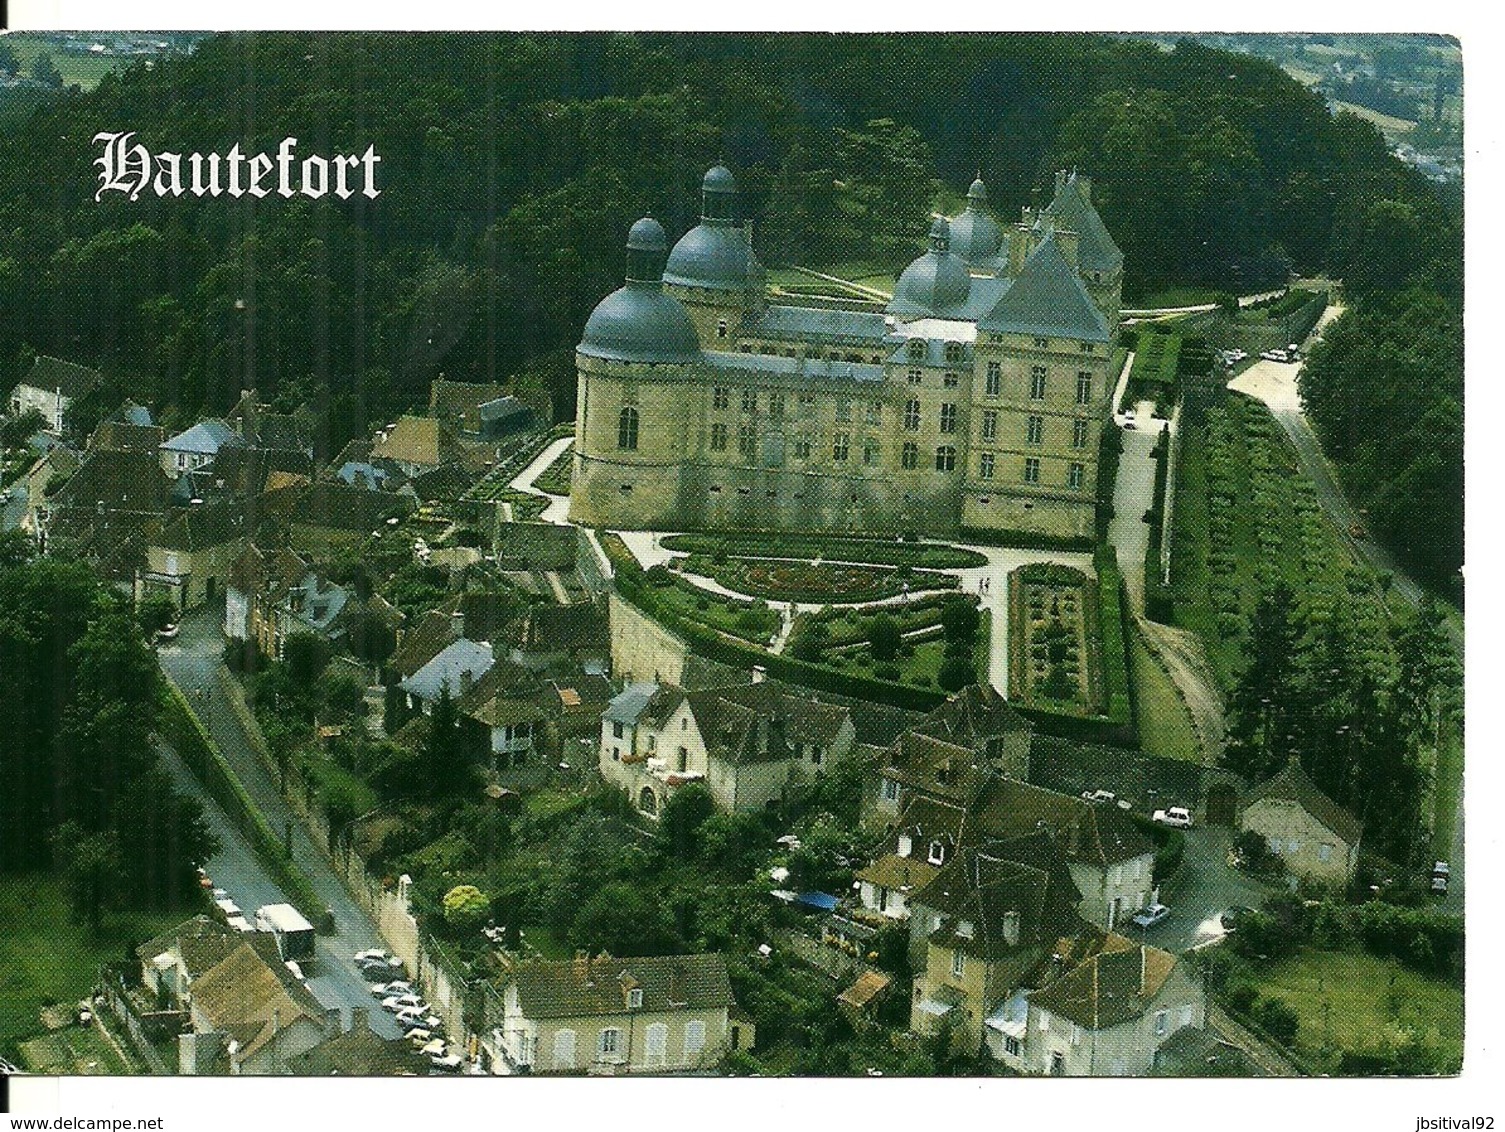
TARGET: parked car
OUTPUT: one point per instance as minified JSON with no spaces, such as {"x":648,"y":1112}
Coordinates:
{"x":1442,"y":873}
{"x":1177,"y":817}
{"x":420,"y":1037}
{"x":387,"y":990}
{"x":167,"y":633}
{"x":396,"y":1002}
{"x":1099,"y":795}
{"x":371,"y":954}
{"x":430,"y":1022}
{"x":1149,"y":917}
{"x":412,"y":1014}
{"x":448,"y":1063}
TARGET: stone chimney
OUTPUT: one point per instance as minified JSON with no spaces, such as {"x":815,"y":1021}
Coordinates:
{"x":334,"y":1023}
{"x":457,"y":620}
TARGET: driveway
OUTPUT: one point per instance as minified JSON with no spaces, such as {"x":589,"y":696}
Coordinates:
{"x":1203,"y":889}
{"x":192,"y":661}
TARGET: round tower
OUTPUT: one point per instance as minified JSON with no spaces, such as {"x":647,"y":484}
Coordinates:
{"x":712,"y":269}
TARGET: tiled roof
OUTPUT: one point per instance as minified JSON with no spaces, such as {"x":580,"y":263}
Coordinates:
{"x":116,"y":480}
{"x":558,"y":628}
{"x":1047,"y":299}
{"x":507,"y":693}
{"x":1114,"y":986}
{"x":338,"y":506}
{"x":867,"y":329}
{"x":628,"y":705}
{"x":195,"y":528}
{"x":121,"y":434}
{"x":755,"y":721}
{"x":55,"y":375}
{"x":458,"y":402}
{"x":1072,"y":208}
{"x":424,"y":641}
{"x":244,"y":991}
{"x":1087,"y":832}
{"x":360,"y":1052}
{"x":200,"y":927}
{"x":1292,"y":784}
{"x":447,"y":482}
{"x":417,"y":440}
{"x":896,"y":872}
{"x":587,"y":988}
{"x":971,"y":718}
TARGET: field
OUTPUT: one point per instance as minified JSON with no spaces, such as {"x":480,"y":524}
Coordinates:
{"x":85,"y":70}
{"x":46,"y":958}
{"x":1351,"y":1001}
{"x":73,"y":1051}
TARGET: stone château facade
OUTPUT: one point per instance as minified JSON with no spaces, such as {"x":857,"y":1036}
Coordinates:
{"x":975,"y":400}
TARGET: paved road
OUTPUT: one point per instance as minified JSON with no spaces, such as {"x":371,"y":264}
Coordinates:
{"x":558,"y":510}
{"x":191,"y":661}
{"x":1205,"y":888}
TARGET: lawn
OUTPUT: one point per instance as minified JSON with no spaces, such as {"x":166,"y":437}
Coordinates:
{"x":85,"y":70}
{"x":751,"y":621}
{"x":1349,"y":1000}
{"x":73,"y":1051}
{"x":1176,"y":297}
{"x":555,"y":479}
{"x":788,"y":580}
{"x":46,"y":958}
{"x":1165,"y":726}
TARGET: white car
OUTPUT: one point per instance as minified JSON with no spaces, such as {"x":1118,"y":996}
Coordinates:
{"x":397,"y":1002}
{"x":412,"y":1014}
{"x":1149,"y":917}
{"x":1177,"y":817}
{"x":388,"y":990}
{"x":371,"y":954}
{"x":449,"y":1062}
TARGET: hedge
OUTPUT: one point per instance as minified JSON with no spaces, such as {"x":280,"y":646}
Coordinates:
{"x":1026,"y":540}
{"x":184,"y":730}
{"x":1159,"y":604}
{"x":806,"y":547}
{"x":1111,"y":629}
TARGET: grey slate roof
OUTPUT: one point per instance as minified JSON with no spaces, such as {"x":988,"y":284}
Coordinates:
{"x":937,"y":284}
{"x":451,"y":667}
{"x":1073,"y":210}
{"x":813,"y":368}
{"x":714,"y":254}
{"x":592,"y":987}
{"x":1047,"y":299}
{"x":207,"y":437}
{"x":975,"y":236}
{"x":639,"y":323}
{"x":627,"y":705}
{"x":866,"y":328}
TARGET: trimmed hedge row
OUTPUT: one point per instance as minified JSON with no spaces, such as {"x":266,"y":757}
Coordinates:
{"x":807,"y":547}
{"x":184,"y":730}
{"x":1159,"y":603}
{"x":1028,"y":540}
{"x":1111,"y":631}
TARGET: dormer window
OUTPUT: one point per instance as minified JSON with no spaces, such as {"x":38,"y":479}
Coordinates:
{"x":635,"y":998}
{"x":917,"y":349}
{"x":906,"y":845}
{"x":937,"y":854}
{"x":965,"y":929}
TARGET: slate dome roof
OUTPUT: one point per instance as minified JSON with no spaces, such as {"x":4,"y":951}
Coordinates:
{"x":638,"y":322}
{"x":975,"y":236}
{"x":937,"y":281}
{"x":713,"y":255}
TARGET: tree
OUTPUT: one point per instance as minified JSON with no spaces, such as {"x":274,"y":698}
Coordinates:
{"x":960,"y":619}
{"x":684,"y":812}
{"x":44,"y":72}
{"x":622,"y":919}
{"x":91,"y":869}
{"x":306,"y":656}
{"x":8,"y":61}
{"x":811,"y":641}
{"x":1261,"y":700}
{"x":466,"y":906}
{"x":156,"y":611}
{"x":732,"y":842}
{"x":16,"y":431}
{"x":447,"y":764}
{"x":956,"y":673}
{"x":884,"y":638}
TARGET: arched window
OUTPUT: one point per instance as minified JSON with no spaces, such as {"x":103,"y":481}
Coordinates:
{"x":909,"y":456}
{"x":627,"y":429}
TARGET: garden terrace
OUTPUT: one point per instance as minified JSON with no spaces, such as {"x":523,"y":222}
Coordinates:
{"x":862,"y":551}
{"x":1154,"y":375}
{"x":800,"y":581}
{"x":1053,"y":626}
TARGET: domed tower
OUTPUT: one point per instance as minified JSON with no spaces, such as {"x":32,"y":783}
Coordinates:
{"x":634,"y":356}
{"x":937,"y":284}
{"x":712,"y":268}
{"x":976,"y":237}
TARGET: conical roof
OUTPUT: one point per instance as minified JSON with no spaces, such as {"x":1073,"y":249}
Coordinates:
{"x":1047,"y":299}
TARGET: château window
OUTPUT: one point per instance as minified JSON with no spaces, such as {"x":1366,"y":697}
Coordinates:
{"x":953,"y":352}
{"x":870,"y":453}
{"x":747,"y":441}
{"x":909,"y":456}
{"x":1075,"y":475}
{"x":609,"y":1042}
{"x":749,"y":401}
{"x":1079,"y":434}
{"x":958,"y":964}
{"x":952,"y":381}
{"x":802,"y":447}
{"x":985,"y":466}
{"x":995,"y":379}
{"x":1031,"y":470}
{"x":990,"y":424}
{"x":912,"y":415}
{"x":874,"y":412}
{"x":839,"y":445}
{"x":1034,"y":430}
{"x":917,"y":349}
{"x":627,"y":429}
{"x":718,"y":438}
{"x":843,"y":409}
{"x":1042,"y":343}
{"x":915,"y":377}
{"x":1084,"y":389}
{"x":945,"y":458}
{"x":1088,"y":347}
{"x":776,"y":405}
{"x":807,"y":404}
{"x":1037,"y":383}
{"x":948,"y":417}
{"x":721,"y":328}
{"x":720,"y":397}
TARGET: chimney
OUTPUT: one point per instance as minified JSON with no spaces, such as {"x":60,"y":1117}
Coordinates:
{"x":457,"y":620}
{"x":467,"y":680}
{"x":1061,"y":177}
{"x":333,"y":1023}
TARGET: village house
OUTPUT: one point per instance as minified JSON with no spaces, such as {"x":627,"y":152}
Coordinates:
{"x":1314,"y":836}
{"x":193,"y":552}
{"x":250,"y":1016}
{"x":257,"y":583}
{"x":511,"y":705}
{"x":745,"y":742}
{"x":455,"y":668}
{"x":660,"y":1014}
{"x":416,"y":445}
{"x":51,"y":387}
{"x":195,"y":447}
{"x":359,"y":1052}
{"x":1108,"y":1016}
{"x":457,"y":404}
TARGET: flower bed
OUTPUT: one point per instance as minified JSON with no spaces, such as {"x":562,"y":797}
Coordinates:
{"x":787,"y":580}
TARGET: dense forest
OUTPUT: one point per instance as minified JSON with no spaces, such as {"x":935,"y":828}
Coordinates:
{"x":512,"y":165}
{"x":85,"y":790}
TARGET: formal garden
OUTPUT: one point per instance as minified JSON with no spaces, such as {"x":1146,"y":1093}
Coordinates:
{"x":829,"y":548}
{"x":1054,"y":640}
{"x":815,"y":582}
